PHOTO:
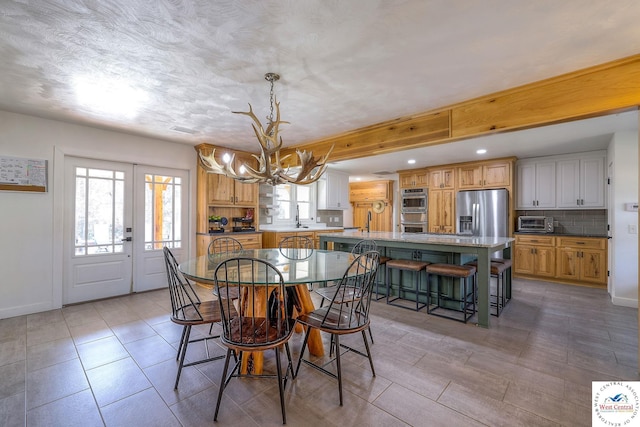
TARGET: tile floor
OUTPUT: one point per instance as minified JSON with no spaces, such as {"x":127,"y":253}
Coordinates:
{"x":112,"y":363}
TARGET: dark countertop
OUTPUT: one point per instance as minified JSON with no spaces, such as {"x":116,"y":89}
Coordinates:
{"x":529,"y":233}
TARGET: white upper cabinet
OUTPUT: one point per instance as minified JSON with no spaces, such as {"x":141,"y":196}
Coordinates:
{"x":536,"y":188}
{"x":581,"y":182}
{"x":333,"y":190}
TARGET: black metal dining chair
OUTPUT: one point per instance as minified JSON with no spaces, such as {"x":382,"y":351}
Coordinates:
{"x":339,"y":318}
{"x":259,"y":320}
{"x":188,"y":310}
{"x":328,"y":293}
{"x":296,"y":242}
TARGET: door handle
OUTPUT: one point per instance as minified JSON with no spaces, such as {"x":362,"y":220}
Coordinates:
{"x":126,"y":239}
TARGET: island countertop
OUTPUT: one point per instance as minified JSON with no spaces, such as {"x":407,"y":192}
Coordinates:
{"x":425,"y":238}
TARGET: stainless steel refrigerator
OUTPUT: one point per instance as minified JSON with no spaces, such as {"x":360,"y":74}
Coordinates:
{"x":483,"y":213}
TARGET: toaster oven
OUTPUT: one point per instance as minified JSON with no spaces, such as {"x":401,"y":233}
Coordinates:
{"x":535,"y":224}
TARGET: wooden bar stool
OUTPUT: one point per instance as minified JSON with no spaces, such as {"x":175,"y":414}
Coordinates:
{"x":498,"y":267}
{"x":406,"y":265}
{"x":462,"y":272}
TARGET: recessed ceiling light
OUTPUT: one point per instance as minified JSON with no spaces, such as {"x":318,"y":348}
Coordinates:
{"x":481,"y":151}
{"x":411,"y":161}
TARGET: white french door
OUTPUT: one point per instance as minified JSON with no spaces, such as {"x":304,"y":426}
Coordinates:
{"x":160,"y":209}
{"x":118,"y":217}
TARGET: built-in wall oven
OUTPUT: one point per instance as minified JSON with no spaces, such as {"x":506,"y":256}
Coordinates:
{"x":413,"y":215}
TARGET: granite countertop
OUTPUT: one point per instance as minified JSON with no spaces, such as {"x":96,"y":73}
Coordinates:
{"x":529,"y":233}
{"x":285,"y":228}
{"x":438,"y":239}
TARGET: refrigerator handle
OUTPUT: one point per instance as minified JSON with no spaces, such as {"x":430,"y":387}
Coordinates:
{"x":475,"y":210}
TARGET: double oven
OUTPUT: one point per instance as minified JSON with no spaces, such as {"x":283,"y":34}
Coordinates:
{"x":413,"y":213}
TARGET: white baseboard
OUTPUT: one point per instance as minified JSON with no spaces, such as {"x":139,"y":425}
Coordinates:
{"x":625,"y":302}
{"x":26,"y":309}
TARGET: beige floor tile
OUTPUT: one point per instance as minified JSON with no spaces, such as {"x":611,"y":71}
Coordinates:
{"x":12,"y":411}
{"x":77,"y":410}
{"x":144,"y":409}
{"x":116,"y":380}
{"x":415,"y":409}
{"x":198,"y":410}
{"x":101,"y":352}
{"x":47,"y":332}
{"x":55,"y":382}
{"x":132,"y":331}
{"x":150,"y":351}
{"x":90,"y":331}
{"x":13,"y":350}
{"x":12,"y":377}
{"x":163,"y":378}
{"x":50,"y":353}
{"x":489,"y":411}
{"x":13,"y":327}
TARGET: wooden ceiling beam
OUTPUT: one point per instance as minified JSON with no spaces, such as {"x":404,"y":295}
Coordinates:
{"x":591,"y":92}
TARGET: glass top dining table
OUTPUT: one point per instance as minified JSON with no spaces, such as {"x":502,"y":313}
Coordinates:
{"x":296,"y":265}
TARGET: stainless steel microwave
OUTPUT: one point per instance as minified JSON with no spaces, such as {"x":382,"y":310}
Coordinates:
{"x":535,"y":224}
{"x":414,"y":200}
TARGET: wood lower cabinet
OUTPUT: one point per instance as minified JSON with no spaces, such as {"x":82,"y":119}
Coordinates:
{"x":535,"y":256}
{"x":578,"y":260}
{"x":272,"y":239}
{"x":248,"y":240}
{"x":582,"y":259}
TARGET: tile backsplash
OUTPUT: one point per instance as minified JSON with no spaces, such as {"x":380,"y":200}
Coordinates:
{"x":578,"y":222}
{"x":331,"y":218}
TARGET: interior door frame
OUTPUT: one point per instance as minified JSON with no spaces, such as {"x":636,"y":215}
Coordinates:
{"x":59,"y":154}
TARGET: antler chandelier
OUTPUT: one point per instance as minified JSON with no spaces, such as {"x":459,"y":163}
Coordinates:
{"x":271,"y":169}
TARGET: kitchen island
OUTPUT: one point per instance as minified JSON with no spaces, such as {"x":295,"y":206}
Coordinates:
{"x":437,"y":245}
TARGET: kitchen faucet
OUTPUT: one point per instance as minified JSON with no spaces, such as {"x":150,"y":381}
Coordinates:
{"x":368,"y":221}
{"x":298,"y":225}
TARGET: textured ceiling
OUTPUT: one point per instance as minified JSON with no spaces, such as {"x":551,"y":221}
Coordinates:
{"x":344,"y":64}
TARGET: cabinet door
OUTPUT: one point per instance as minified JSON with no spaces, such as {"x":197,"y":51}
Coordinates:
{"x":546,"y":185}
{"x":496,"y":175}
{"x":333,"y":191}
{"x":433,"y":211}
{"x":448,"y":211}
{"x":523,"y":259}
{"x":526,"y":177}
{"x":244,"y":194}
{"x":407,"y":180}
{"x":567,"y":264}
{"x":442,"y":179}
{"x":545,"y":264}
{"x":568,"y":184}
{"x":220,"y":189}
{"x":592,"y":182}
{"x":469,"y":177}
{"x":593,"y":266}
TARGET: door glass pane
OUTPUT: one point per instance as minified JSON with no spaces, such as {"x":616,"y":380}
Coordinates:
{"x":162,"y":212}
{"x":99,"y":211}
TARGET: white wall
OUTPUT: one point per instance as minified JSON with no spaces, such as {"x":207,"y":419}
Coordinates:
{"x":31,"y":223}
{"x":623,"y":155}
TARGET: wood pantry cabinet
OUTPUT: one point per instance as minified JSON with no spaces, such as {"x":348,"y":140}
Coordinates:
{"x":441,"y":211}
{"x":582,"y":259}
{"x":418,"y":178}
{"x":441,"y":204}
{"x":485,"y":175}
